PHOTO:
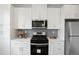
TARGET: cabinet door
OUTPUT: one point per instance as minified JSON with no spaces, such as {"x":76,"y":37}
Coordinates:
{"x":26,"y":49}
{"x":14,"y":48}
{"x":36,"y":11}
{"x":20,"y":47}
{"x":77,"y":15}
{"x":28,"y":18}
{"x":19,"y":17}
{"x":70,"y":11}
{"x":50,"y":47}
{"x":39,"y":11}
{"x":23,"y":18}
{"x":43,"y":12}
{"x":53,"y":15}
{"x":58,"y":48}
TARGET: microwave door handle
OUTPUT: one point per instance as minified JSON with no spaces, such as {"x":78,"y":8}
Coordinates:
{"x":44,"y":22}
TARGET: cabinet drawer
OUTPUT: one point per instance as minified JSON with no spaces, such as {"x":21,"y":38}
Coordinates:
{"x":22,"y":45}
{"x":59,"y":44}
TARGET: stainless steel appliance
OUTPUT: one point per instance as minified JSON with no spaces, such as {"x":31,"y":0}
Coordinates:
{"x":39,"y":44}
{"x":72,"y":37}
{"x":39,"y":23}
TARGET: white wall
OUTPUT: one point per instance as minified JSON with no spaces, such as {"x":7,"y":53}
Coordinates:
{"x":5,"y":41}
{"x":12,"y":22}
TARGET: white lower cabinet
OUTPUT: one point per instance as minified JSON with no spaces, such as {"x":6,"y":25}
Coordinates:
{"x":50,"y":49}
{"x":23,"y":47}
{"x":26,"y":49}
{"x":14,"y":48}
{"x":20,"y":48}
{"x":56,"y":47}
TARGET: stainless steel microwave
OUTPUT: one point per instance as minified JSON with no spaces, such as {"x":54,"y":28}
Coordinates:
{"x":39,"y":23}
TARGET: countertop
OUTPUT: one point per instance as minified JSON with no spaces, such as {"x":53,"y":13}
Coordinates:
{"x":51,"y":40}
{"x":21,"y":40}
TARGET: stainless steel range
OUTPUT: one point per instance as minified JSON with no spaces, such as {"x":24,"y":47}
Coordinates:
{"x":39,"y":44}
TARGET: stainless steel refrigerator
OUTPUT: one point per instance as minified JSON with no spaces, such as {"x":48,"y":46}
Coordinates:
{"x":72,"y":37}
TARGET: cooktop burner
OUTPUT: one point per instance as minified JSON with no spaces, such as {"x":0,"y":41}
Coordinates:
{"x":39,"y":39}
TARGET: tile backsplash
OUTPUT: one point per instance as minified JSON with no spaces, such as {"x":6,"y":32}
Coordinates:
{"x":49,"y":32}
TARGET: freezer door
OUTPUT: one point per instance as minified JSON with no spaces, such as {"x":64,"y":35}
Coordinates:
{"x":74,"y":46}
{"x":74,"y":28}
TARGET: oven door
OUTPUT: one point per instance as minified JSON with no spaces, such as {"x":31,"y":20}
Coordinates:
{"x":39,"y":49}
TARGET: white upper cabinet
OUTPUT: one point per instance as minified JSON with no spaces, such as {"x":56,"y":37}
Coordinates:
{"x":77,"y":15}
{"x":39,"y":11}
{"x":71,"y":11}
{"x":53,"y":17}
{"x":23,"y":18}
{"x":43,"y":12}
{"x":28,"y":19}
{"x":35,"y":12}
{"x":19,"y":17}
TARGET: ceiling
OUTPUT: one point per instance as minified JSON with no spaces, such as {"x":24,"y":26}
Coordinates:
{"x":30,"y":5}
{"x":54,"y":5}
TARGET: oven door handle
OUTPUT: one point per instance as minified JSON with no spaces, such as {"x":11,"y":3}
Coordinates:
{"x":39,"y":44}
